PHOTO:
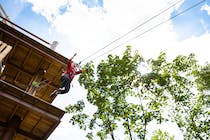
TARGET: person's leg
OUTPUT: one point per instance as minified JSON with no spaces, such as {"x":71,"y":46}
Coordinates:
{"x":66,"y":83}
{"x":66,"y":89}
{"x":64,"y":80}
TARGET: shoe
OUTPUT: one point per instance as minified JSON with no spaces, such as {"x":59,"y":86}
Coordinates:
{"x":55,"y":92}
{"x":61,"y":88}
{"x":58,"y":91}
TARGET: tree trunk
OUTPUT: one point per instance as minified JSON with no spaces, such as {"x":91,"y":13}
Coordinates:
{"x":112,"y":135}
{"x":144,"y":112}
{"x":145,"y":128}
{"x":110,"y":128}
{"x":129,"y":130}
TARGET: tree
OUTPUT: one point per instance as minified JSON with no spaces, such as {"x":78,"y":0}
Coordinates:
{"x":161,"y":135}
{"x":178,"y":87}
{"x":170,"y":91}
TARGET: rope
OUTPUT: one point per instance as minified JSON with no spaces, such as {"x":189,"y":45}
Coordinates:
{"x":148,"y":20}
{"x":150,"y":29}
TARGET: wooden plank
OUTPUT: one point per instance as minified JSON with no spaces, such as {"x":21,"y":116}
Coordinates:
{"x":21,"y":94}
{"x":4,"y":51}
{"x":13,"y":112}
{"x":23,"y":135}
{"x":30,"y":106}
{"x":30,"y":121}
{"x":2,"y":47}
{"x":6,"y":108}
{"x":42,"y":127}
{"x":30,"y":43}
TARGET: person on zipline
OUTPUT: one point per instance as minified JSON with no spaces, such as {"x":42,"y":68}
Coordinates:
{"x":66,"y":78}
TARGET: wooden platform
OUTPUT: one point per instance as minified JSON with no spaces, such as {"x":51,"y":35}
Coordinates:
{"x":38,"y":118}
{"x":24,"y":108}
{"x":30,"y":61}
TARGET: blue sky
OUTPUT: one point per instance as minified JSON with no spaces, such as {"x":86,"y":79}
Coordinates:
{"x":191,"y":23}
{"x":22,"y":15}
{"x":85,"y":26}
{"x":93,"y":3}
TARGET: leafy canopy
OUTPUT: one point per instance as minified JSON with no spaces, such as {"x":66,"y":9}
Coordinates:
{"x":176,"y":91}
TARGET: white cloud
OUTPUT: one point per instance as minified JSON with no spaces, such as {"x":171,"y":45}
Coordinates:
{"x":85,"y":30}
{"x":88,"y":30}
{"x":48,"y":8}
{"x":206,"y":8}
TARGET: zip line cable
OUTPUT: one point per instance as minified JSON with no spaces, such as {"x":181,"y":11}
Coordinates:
{"x":153,"y":17}
{"x":150,"y":29}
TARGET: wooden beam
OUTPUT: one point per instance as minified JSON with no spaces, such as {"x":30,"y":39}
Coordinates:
{"x":13,"y":112}
{"x":22,"y":132}
{"x":3,"y":124}
{"x":4,"y":50}
{"x":25,"y":97}
{"x":11,"y":128}
{"x":52,"y":129}
{"x":36,"y":124}
{"x":34,"y":47}
{"x":2,"y":46}
{"x":1,"y":35}
{"x":30,"y":135}
{"x":19,"y":69}
{"x":33,"y":35}
{"x":11,"y":52}
{"x":29,"y":106}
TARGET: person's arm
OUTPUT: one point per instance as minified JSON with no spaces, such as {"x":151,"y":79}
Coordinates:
{"x":79,"y":70}
{"x":71,"y":60}
{"x":73,"y":56}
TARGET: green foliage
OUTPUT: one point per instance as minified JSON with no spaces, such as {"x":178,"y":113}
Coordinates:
{"x":177,"y":91}
{"x":203,"y":79}
{"x":79,"y":119}
{"x":161,"y":135}
{"x":76,"y":108}
{"x":89,"y":136}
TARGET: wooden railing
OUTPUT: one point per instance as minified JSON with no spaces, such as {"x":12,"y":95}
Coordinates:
{"x":4,"y":14}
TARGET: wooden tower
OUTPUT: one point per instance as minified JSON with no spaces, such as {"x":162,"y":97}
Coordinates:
{"x":26,"y":112}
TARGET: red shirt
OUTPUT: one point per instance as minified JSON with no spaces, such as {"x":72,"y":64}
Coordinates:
{"x":71,"y":70}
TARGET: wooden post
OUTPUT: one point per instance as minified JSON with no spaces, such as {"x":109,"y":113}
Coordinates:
{"x":10,"y":131}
